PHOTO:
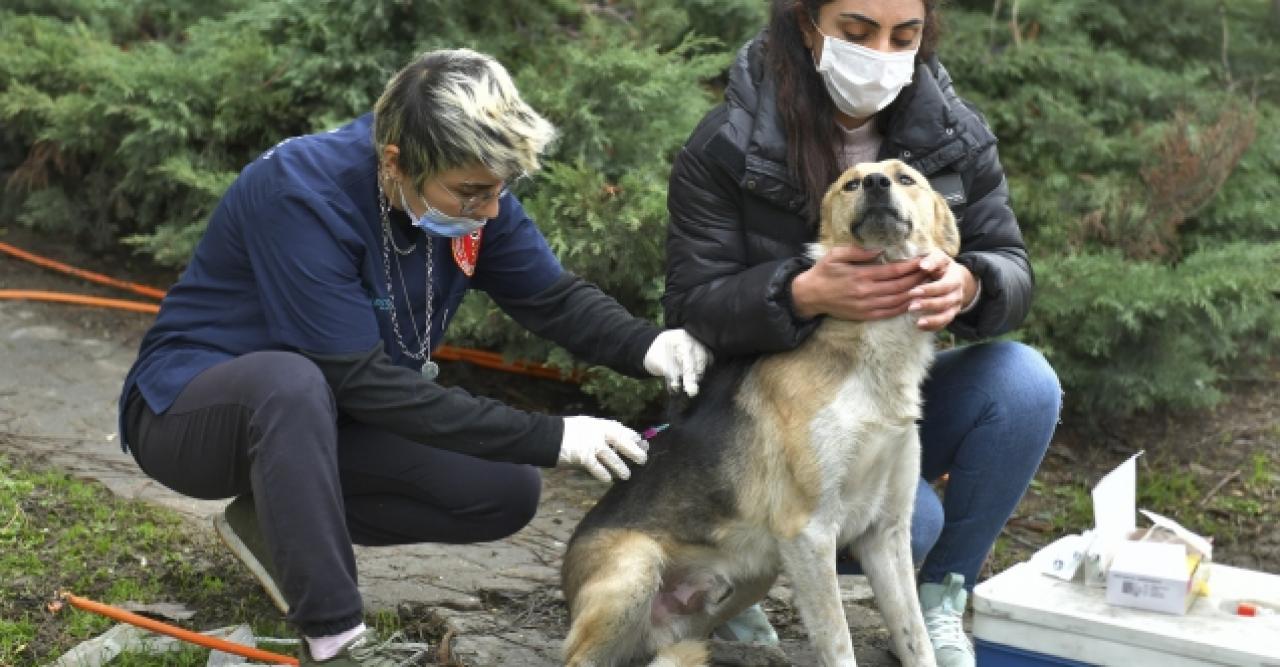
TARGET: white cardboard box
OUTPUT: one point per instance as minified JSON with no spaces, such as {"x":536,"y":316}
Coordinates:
{"x":1160,"y":576}
{"x":1161,"y":568}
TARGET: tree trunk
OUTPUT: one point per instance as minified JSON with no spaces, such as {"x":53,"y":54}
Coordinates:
{"x":1275,"y":14}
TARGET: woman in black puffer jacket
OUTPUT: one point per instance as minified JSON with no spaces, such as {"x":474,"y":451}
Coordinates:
{"x":828,"y":84}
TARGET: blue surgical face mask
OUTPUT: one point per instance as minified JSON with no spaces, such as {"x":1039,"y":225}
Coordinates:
{"x":438,"y":223}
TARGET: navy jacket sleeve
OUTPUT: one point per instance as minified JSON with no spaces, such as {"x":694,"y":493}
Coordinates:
{"x":520,"y":273}
{"x":581,"y":318}
{"x":710,"y":286}
{"x":368,"y":387}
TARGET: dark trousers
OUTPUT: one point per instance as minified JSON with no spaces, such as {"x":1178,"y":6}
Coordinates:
{"x":266,"y":424}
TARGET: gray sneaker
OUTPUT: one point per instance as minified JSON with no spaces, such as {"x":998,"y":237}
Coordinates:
{"x":363,"y":651}
{"x":237,"y":525}
{"x":943,"y":608}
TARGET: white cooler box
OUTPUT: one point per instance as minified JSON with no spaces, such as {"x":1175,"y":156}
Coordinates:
{"x":1023,"y":618}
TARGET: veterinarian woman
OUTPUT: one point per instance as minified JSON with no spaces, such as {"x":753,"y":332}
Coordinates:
{"x":829,"y":84}
{"x":291,"y":365}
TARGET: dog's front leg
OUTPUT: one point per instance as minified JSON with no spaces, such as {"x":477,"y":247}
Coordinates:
{"x":809,"y":560}
{"x":884,"y":552}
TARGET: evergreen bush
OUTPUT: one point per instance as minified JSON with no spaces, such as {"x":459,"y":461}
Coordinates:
{"x":1143,"y":153}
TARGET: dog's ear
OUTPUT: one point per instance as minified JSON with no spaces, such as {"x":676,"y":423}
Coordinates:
{"x":945,"y":234}
{"x":826,"y":234}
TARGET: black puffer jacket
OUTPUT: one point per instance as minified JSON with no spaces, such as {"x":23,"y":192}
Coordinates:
{"x":737,"y":231}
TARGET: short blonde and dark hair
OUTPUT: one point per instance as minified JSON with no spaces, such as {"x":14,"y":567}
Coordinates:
{"x":458,"y":108}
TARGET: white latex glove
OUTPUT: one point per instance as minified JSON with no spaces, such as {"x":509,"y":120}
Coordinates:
{"x":595,"y":444}
{"x":679,"y":358}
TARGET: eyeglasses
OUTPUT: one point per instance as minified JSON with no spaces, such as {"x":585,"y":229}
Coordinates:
{"x":468,"y":205}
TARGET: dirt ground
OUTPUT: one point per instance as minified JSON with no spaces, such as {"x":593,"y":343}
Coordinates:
{"x":1216,"y":456}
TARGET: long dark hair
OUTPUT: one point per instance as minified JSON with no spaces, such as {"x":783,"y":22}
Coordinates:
{"x":808,"y":114}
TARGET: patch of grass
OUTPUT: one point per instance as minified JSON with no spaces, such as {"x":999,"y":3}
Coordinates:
{"x":1260,"y":474}
{"x":1233,"y":505}
{"x":59,"y":533}
{"x":1076,"y":505}
{"x":1162,"y":487}
{"x":15,"y":637}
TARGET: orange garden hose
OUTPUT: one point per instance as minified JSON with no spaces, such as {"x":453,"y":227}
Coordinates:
{"x":179,"y":633}
{"x":81,"y":273}
{"x":482,"y":358}
{"x":79,"y":299}
{"x":495,"y":361}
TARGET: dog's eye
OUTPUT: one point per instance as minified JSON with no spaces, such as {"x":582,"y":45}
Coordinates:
{"x":852,"y":184}
{"x":906,"y":180}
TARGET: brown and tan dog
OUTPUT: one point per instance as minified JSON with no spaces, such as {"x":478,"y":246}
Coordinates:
{"x":783,"y":460}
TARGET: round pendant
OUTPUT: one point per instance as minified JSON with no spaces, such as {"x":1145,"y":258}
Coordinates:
{"x":430,"y":370}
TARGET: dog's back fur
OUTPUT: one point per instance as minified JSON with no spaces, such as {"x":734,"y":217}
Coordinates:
{"x":781,"y":458}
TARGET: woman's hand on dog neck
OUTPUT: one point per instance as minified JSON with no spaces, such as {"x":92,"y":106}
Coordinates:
{"x":948,"y":288}
{"x":846,"y":284}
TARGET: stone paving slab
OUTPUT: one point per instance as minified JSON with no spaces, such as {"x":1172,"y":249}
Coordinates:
{"x":59,"y":383}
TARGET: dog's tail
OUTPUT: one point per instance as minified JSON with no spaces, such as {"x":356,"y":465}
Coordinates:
{"x":689,"y":653}
{"x":610,"y":578}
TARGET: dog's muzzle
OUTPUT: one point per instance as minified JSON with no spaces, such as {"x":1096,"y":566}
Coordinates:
{"x":878,"y":223}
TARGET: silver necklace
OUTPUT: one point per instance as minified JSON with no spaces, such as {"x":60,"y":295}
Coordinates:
{"x":430,"y":369}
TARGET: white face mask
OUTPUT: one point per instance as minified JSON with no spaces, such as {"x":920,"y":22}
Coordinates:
{"x":863,"y":81}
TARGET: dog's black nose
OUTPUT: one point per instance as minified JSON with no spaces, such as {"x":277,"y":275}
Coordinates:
{"x":873,"y":182}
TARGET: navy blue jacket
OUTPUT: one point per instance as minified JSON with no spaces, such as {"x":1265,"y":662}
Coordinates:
{"x":292,"y":259}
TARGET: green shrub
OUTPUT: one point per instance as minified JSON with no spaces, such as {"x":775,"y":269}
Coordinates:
{"x":1134,"y":335}
{"x":1144,"y":165}
{"x":1144,"y":174}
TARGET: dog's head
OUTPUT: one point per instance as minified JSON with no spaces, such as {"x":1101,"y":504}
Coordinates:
{"x":887,"y":206}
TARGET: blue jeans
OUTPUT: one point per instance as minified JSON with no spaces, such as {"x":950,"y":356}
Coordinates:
{"x":989,"y":413}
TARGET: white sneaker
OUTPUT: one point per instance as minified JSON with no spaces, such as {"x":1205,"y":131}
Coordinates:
{"x":751,"y":626}
{"x":943,"y":608}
